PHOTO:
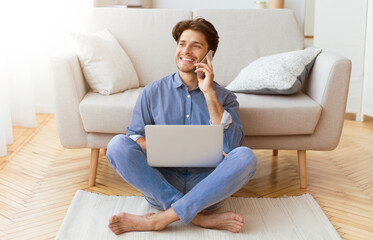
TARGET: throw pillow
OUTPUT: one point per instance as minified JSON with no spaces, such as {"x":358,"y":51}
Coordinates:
{"x":106,"y":66}
{"x":283,"y":73}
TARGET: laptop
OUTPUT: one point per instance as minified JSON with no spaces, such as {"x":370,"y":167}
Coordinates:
{"x":184,"y":145}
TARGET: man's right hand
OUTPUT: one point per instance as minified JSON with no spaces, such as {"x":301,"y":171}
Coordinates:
{"x":142,"y":142}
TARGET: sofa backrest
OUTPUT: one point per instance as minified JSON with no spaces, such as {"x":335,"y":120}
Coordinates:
{"x":245,"y":35}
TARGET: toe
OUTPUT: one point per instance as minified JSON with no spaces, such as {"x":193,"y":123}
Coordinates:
{"x":238,"y":223}
{"x":236,"y":228}
{"x":239,"y":218}
{"x":113,"y":219}
{"x":233,"y":229}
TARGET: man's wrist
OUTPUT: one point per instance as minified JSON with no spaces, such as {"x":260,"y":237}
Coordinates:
{"x":210,"y":94}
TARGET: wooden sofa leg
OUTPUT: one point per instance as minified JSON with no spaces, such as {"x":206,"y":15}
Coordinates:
{"x":275,"y":152}
{"x":302,"y":168}
{"x":95,"y":152}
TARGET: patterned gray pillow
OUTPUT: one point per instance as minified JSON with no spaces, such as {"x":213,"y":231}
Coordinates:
{"x":283,"y":73}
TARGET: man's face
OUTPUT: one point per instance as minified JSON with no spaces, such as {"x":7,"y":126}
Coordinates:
{"x":191,"y":49}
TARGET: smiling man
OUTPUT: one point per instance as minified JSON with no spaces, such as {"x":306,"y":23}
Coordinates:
{"x":187,"y":194}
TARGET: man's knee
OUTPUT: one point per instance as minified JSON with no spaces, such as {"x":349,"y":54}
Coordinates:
{"x":118,"y":142}
{"x":119,"y":150}
{"x":246,"y":158}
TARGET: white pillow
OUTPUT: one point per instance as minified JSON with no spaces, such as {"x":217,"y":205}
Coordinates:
{"x":106,"y":66}
{"x":283,"y":73}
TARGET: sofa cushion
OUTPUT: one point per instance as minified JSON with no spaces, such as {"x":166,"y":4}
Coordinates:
{"x":283,"y":73}
{"x":106,"y":66}
{"x":260,"y":114}
{"x":108,"y":114}
{"x":277,"y":114}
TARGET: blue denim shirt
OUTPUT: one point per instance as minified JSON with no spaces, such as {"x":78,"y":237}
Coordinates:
{"x":168,"y":102}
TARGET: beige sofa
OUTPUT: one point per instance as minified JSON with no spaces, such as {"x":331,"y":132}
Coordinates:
{"x":309,"y":120}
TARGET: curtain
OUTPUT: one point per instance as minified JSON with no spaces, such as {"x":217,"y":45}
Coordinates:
{"x":32,"y":32}
{"x":6,"y":134}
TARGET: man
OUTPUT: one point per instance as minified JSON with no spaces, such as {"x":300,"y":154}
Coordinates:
{"x":186,"y":194}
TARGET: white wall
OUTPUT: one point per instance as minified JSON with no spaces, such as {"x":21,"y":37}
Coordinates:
{"x":309,"y":18}
{"x":368,"y":69}
{"x":297,"y":5}
{"x":340,"y":27}
{"x":201,"y":4}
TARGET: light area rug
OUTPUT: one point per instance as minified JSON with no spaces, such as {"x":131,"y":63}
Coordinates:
{"x":265,"y":218}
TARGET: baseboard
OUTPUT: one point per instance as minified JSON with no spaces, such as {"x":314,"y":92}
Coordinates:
{"x":352,"y":116}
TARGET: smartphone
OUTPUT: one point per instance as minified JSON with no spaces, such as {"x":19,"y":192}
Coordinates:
{"x":204,"y":60}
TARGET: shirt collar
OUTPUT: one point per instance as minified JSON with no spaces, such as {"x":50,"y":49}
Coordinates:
{"x":177,"y":82}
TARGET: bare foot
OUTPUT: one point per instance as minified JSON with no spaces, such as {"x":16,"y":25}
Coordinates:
{"x":229,"y":221}
{"x":125,"y":222}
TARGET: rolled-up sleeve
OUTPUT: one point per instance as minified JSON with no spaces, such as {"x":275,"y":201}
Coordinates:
{"x":226,"y":120}
{"x":233,"y":134}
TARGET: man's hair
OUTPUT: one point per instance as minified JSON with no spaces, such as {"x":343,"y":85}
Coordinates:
{"x":201,"y":25}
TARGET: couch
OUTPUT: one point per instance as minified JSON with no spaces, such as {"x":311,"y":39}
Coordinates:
{"x":311,"y":119}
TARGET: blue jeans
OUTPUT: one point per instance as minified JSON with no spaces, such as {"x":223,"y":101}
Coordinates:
{"x":187,"y":190}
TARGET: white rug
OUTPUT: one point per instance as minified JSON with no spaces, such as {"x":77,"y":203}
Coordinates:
{"x":265,"y":218}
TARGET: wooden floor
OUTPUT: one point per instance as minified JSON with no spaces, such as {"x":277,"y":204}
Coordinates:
{"x":38,"y":179}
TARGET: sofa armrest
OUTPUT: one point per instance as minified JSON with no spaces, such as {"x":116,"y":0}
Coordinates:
{"x":69,"y":90}
{"x":328,"y":85}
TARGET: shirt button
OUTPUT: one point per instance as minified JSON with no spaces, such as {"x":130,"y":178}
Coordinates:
{"x":188,"y":96}
{"x":188,"y":116}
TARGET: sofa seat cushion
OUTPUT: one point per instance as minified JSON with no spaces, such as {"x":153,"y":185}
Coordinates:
{"x":108,"y":114}
{"x":273,"y":115}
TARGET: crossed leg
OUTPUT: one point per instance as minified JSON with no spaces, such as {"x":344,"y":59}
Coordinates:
{"x":129,"y":160}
